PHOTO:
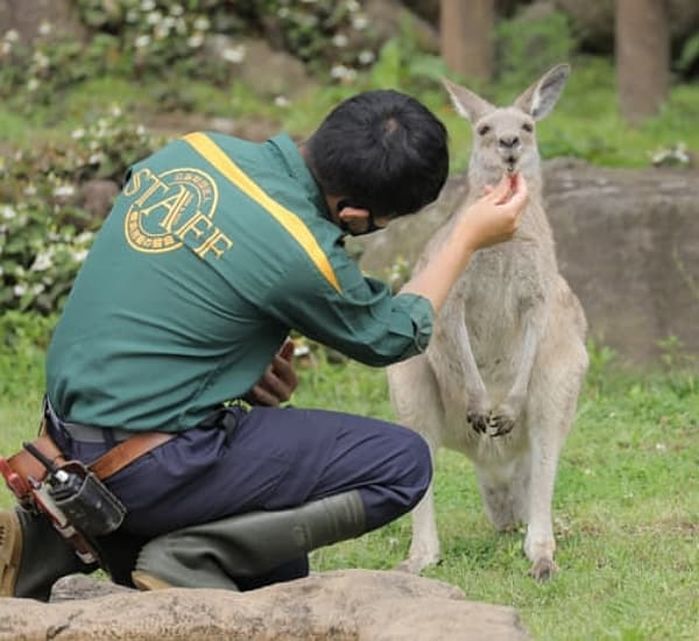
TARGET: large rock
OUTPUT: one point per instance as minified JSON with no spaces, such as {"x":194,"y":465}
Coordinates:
{"x":627,"y":242}
{"x":351,"y":605}
{"x":27,"y":16}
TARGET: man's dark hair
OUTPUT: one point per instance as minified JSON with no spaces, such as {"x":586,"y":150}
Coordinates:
{"x":382,"y":150}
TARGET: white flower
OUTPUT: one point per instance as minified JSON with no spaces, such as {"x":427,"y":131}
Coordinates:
{"x":37,"y":289}
{"x":43,"y":261}
{"x":176,"y":10}
{"x":64,"y":191}
{"x":41,"y":60}
{"x":131,"y":16}
{"x":142,"y":41}
{"x":6,"y":48}
{"x":79,"y":256}
{"x":2,"y":271}
{"x":33,"y":84}
{"x":84,"y":237}
{"x":96,"y":158}
{"x":360,"y":22}
{"x":282,"y":101}
{"x":8,"y":213}
{"x":77,"y":134}
{"x":45,"y":28}
{"x":19,"y":290}
{"x":115,"y":111}
{"x":155,"y":17}
{"x":30,"y":190}
{"x":147,"y":5}
{"x":140,"y":130}
{"x":196,"y":40}
{"x":352,"y":6}
{"x":340,"y":40}
{"x":236,"y":55}
{"x":366,"y":57}
{"x":11,"y":36}
{"x":340,"y":72}
{"x":202,"y":23}
{"x":283,"y":12}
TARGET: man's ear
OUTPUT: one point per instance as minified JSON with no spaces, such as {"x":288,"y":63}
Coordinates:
{"x":347,"y":213}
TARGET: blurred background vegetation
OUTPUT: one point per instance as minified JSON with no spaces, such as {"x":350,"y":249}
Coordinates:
{"x":89,"y":86}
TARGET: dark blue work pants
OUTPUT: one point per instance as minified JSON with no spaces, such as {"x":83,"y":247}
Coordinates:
{"x":267,"y":459}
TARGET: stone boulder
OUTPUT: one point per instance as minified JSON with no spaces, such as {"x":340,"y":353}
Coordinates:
{"x":351,"y":605}
{"x":27,"y":16}
{"x":627,"y":242}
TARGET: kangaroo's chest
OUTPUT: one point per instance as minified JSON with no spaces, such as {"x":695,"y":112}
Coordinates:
{"x":496,"y":292}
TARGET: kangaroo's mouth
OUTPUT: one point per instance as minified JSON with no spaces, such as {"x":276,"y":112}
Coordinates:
{"x":510,"y":163}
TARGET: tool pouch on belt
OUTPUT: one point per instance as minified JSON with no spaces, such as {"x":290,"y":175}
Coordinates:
{"x":78,"y":504}
{"x":84,"y":500}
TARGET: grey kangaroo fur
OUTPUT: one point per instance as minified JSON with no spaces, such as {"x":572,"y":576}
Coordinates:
{"x":500,"y":379}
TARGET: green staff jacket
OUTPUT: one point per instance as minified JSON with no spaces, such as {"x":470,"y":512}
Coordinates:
{"x":214,"y":250}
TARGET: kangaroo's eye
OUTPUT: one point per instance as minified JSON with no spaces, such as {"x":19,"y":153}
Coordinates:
{"x":483,"y":130}
{"x":527,"y":127}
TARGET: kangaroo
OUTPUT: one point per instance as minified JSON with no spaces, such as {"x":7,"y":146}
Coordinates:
{"x":500,"y":378}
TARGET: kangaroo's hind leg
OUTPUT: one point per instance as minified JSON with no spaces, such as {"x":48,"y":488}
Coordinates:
{"x":550,"y":417}
{"x":417,"y":404}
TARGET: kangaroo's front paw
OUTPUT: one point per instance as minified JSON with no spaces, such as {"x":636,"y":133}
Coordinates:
{"x":503,"y":418}
{"x":478,"y":421}
{"x":499,"y":424}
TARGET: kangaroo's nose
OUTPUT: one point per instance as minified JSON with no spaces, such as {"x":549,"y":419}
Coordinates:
{"x":508,"y":141}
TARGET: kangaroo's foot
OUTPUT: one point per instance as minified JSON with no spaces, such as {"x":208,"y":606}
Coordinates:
{"x":543,"y":569}
{"x":539,"y":551}
{"x":419,"y":558}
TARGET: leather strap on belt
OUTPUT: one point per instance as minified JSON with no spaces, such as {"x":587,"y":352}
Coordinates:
{"x":116,"y":459}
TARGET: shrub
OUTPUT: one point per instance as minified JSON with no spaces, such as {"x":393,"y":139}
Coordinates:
{"x":44,"y":233}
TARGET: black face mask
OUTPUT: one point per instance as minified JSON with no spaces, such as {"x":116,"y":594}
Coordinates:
{"x":371,"y":223}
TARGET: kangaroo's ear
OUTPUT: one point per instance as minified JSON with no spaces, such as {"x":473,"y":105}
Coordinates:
{"x":539,"y":100}
{"x":467,"y":104}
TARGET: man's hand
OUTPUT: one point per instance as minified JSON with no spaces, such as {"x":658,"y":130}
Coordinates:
{"x":279,"y":380}
{"x":494,"y":217}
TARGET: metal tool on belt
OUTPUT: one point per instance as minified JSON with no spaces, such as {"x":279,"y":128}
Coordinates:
{"x":70,"y":493}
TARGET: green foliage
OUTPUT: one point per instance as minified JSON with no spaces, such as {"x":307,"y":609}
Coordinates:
{"x":159,"y":35}
{"x":689,"y":56}
{"x":44,"y":233}
{"x":404,"y":66}
{"x":23,"y":342}
{"x":527,"y":46}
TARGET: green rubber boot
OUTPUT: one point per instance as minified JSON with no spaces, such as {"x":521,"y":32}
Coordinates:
{"x":33,"y":556}
{"x":211,"y":555}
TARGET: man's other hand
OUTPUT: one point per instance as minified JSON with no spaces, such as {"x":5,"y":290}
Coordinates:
{"x":279,"y":380}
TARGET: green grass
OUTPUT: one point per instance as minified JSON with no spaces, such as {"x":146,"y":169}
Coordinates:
{"x":626,"y":506}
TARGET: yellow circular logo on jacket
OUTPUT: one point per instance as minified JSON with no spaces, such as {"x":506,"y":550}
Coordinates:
{"x":173,"y":209}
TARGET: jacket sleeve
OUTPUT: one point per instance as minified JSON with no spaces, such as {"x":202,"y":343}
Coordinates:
{"x":362,"y":318}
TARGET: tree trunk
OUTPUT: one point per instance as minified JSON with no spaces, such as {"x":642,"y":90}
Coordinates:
{"x":465,"y":30}
{"x":642,"y":57}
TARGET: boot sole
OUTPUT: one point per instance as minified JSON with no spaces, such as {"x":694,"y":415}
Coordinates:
{"x":148,"y":582}
{"x":10,"y":552}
